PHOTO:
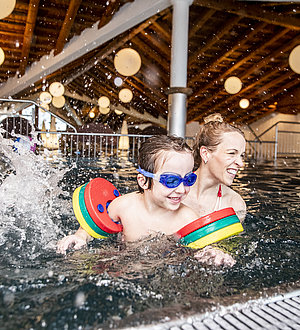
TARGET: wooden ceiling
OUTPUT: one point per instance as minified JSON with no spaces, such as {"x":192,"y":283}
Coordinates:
{"x":248,"y":39}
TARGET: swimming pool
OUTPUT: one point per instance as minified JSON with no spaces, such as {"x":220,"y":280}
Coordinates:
{"x":110,"y":285}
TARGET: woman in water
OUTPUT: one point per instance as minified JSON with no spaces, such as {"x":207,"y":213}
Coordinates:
{"x":219,"y":154}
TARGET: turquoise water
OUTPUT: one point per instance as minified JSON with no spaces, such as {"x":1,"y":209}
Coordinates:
{"x":113,"y":285}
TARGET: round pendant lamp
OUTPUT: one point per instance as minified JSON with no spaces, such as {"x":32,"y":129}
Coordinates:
{"x":45,"y":98}
{"x":104,"y":111}
{"x":118,"y":112}
{"x":6,"y":7}
{"x":294,"y":59}
{"x":103,"y":102}
{"x":59,"y":101}
{"x":233,"y":85}
{"x":244,"y":103}
{"x":2,"y":56}
{"x":57,"y":89}
{"x":118,"y":81}
{"x":125,"y":95}
{"x":127,"y":61}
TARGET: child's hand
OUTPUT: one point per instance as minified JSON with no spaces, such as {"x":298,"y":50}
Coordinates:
{"x":214,"y":256}
{"x":72,"y":241}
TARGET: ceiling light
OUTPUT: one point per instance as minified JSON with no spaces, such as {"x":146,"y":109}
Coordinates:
{"x":127,"y":61}
{"x":118,"y":112}
{"x":294,"y":59}
{"x":125,"y":95}
{"x":59,"y":101}
{"x":6,"y":7}
{"x":45,"y":97}
{"x":103,"y":102}
{"x":104,"y":111}
{"x":118,"y":81}
{"x":2,"y":56}
{"x":233,"y":85}
{"x":92,"y":114}
{"x":244,"y":103}
{"x":57,"y":89}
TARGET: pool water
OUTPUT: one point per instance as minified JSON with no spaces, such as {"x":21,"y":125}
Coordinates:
{"x":113,"y":285}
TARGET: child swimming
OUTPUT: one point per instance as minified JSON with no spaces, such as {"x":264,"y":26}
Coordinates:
{"x":164,"y":180}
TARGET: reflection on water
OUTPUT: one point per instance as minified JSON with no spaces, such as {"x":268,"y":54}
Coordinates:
{"x":111,"y":284}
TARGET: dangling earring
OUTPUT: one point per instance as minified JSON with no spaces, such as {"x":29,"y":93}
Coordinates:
{"x":205,"y":161}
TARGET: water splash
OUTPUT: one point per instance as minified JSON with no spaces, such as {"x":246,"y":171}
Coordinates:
{"x":28,"y":191}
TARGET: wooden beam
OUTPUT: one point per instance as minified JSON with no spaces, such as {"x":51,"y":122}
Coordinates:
{"x":219,"y":35}
{"x":143,"y":116}
{"x":67,"y":25}
{"x":256,"y":66}
{"x":126,"y":18}
{"x":254,"y":11}
{"x":130,"y":112}
{"x":225,"y":104}
{"x":239,"y":44}
{"x":29,"y":29}
{"x":115,"y":44}
{"x":292,"y":83}
{"x":111,"y":8}
{"x":200,"y":22}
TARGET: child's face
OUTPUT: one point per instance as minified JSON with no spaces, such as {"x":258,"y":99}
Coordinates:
{"x":180,"y":163}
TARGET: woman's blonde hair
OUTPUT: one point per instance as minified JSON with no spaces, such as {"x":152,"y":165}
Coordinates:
{"x":211,"y":134}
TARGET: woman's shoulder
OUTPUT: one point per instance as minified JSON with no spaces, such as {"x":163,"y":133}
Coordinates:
{"x":235,"y":200}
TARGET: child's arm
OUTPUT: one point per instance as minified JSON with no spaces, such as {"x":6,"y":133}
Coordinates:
{"x":75,"y":241}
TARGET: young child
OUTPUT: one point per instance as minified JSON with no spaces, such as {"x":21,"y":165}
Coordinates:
{"x":164,"y":180}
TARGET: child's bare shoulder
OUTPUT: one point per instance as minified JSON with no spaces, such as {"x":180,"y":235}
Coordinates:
{"x":125,"y":199}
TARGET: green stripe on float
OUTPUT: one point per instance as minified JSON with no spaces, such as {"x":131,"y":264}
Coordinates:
{"x":208,"y":229}
{"x":217,"y":236}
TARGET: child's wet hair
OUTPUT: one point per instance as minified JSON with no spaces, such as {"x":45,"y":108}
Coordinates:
{"x":152,"y":148}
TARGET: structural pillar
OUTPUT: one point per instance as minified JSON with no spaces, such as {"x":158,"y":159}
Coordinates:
{"x":179,"y":55}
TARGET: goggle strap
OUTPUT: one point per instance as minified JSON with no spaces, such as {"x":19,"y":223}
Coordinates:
{"x":145,"y":173}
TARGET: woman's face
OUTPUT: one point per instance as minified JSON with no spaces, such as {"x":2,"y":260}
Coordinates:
{"x":180,"y":163}
{"x":228,"y":158}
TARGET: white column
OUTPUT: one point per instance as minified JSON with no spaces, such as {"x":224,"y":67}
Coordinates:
{"x":179,"y":56}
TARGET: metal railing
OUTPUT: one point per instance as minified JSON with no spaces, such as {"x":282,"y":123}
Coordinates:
{"x":97,"y":145}
{"x":286,"y":143}
{"x":94,"y":145}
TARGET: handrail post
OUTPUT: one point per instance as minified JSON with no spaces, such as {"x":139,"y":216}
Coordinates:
{"x":276,"y":143}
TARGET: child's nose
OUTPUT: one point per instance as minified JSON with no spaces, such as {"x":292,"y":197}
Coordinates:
{"x":180,"y":188}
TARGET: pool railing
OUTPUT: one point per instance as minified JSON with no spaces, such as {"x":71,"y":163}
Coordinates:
{"x":274,"y":142}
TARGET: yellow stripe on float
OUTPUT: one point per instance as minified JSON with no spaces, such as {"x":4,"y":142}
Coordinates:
{"x":217,"y":236}
{"x":79,"y":216}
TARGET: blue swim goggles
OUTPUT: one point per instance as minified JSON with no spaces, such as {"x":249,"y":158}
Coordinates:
{"x":171,"y":180}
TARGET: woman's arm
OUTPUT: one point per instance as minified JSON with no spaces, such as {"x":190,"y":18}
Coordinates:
{"x":239,"y":206}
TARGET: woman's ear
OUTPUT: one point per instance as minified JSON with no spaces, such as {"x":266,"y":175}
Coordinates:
{"x":204,"y":154}
{"x":142,"y":182}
